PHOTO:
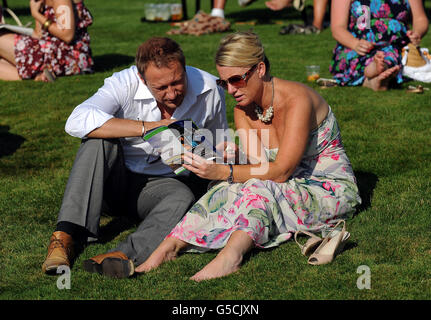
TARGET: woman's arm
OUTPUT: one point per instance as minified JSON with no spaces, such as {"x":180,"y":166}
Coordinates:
{"x":340,"y":14}
{"x":292,"y":146}
{"x":64,"y":28}
{"x":420,"y":22}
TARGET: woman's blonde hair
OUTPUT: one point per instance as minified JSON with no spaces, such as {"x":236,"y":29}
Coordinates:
{"x":241,"y":49}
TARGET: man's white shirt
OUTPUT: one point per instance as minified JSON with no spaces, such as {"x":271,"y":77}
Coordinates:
{"x":125,"y":96}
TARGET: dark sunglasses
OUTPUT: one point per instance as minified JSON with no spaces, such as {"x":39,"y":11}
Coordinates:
{"x":237,"y":81}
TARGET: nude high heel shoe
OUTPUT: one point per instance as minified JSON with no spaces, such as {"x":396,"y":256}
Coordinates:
{"x":311,"y":243}
{"x":330,"y":246}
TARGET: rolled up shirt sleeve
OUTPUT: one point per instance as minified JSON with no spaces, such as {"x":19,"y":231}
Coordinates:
{"x":96,"y":110}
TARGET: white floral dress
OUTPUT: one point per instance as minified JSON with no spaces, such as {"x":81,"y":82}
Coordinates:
{"x":321,"y":191}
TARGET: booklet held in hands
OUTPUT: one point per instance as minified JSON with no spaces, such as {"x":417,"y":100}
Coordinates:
{"x":172,"y":140}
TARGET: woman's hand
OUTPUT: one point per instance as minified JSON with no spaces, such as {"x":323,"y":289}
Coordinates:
{"x":363,"y":47}
{"x":204,"y":168}
{"x":35,"y":6}
{"x":414,"y":37}
{"x":230,"y":151}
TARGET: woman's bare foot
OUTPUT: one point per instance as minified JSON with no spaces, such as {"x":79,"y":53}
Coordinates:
{"x":166,"y":251}
{"x":229,"y":259}
{"x":381,"y":82}
{"x":377,"y":66}
{"x":40,"y":77}
{"x":224,"y":264}
{"x":45,"y":76}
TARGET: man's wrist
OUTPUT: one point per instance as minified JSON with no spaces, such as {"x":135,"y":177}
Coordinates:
{"x":143,"y":129}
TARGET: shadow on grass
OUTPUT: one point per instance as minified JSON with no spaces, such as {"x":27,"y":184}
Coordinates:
{"x":20,"y":12}
{"x":367,"y":182}
{"x":114,"y":227}
{"x":9,"y":142}
{"x":107,"y":62}
{"x":266,"y":16}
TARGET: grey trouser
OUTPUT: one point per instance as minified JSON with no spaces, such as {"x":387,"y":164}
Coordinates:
{"x":100,"y":181}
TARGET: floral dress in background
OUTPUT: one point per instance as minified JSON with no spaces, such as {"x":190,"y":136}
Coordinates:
{"x":384,"y":23}
{"x":321,"y":191}
{"x":33,"y":55}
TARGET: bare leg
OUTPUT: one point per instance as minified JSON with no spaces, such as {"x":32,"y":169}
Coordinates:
{"x":7,"y":47}
{"x":229,"y":259}
{"x":277,"y":5}
{"x":167,"y":250}
{"x":377,"y":66}
{"x":7,"y":57}
{"x":319,"y":10}
{"x":381,"y":82}
{"x":8,"y":71}
{"x":219,"y":4}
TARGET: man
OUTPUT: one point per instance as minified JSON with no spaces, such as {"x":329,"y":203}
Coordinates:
{"x":116,"y":171}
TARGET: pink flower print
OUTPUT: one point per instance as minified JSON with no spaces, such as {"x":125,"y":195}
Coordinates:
{"x":201,"y":241}
{"x":241,"y":221}
{"x":222,"y":219}
{"x":231,"y":211}
{"x":381,"y":26}
{"x":289,"y":196}
{"x":402,"y":16}
{"x":354,"y":63}
{"x":255,"y":200}
{"x":300,"y":222}
{"x":327,"y":186}
{"x":384,"y":11}
{"x":335,"y":157}
{"x":324,"y":133}
{"x":335,"y":142}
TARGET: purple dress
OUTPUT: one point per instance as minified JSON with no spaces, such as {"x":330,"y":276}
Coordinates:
{"x":384,"y":23}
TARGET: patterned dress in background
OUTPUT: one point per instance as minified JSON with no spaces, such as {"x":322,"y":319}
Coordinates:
{"x":384,"y":23}
{"x":321,"y":191}
{"x":33,"y":55}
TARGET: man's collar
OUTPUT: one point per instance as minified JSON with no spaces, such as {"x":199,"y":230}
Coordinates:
{"x":142,"y":92}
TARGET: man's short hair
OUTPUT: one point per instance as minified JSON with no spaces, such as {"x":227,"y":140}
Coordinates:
{"x":159,"y":51}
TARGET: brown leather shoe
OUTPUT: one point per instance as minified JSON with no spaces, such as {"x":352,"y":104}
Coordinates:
{"x":113,"y":264}
{"x":60,"y":252}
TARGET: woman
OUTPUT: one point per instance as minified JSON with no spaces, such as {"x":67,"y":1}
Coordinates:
{"x":301,"y":178}
{"x":59,"y":45}
{"x":370,"y":36}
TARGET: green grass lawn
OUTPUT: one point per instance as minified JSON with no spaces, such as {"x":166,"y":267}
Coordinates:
{"x":386,"y":135}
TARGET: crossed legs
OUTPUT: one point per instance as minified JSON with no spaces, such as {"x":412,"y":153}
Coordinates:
{"x":8,"y":69}
{"x":7,"y":57}
{"x":227,"y":261}
{"x":377,"y":74}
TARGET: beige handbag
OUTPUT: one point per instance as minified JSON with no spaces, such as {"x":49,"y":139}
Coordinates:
{"x":414,"y":57}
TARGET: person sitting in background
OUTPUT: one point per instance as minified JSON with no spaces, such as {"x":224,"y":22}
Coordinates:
{"x":370,"y":36}
{"x":319,"y":11}
{"x":219,"y":5}
{"x":300,"y":177}
{"x":59,"y":45}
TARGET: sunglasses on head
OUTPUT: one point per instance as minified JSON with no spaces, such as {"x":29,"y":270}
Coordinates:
{"x":237,"y":81}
